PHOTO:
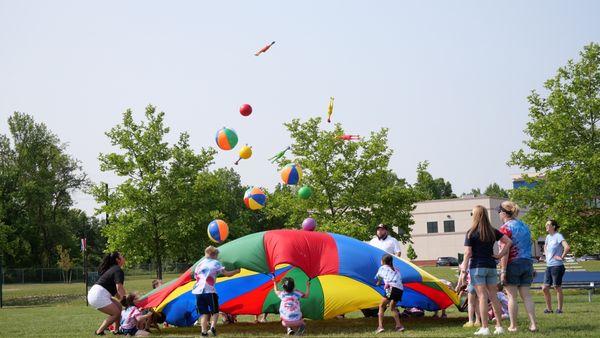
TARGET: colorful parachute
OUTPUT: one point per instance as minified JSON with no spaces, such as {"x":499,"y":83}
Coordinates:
{"x":341,"y":269}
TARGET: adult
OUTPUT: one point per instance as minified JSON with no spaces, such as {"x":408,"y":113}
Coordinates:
{"x":517,"y":267}
{"x":555,"y":249}
{"x":382,"y":240}
{"x":480,"y":260}
{"x":110,"y":284}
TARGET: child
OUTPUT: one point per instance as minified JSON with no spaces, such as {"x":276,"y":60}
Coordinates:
{"x":289,"y":310}
{"x":464,"y":284}
{"x":131,"y":317}
{"x":207,"y":301}
{"x":503,"y":301}
{"x":393,"y":290}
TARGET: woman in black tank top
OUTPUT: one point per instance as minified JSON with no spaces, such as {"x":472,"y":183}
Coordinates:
{"x":110,"y":285}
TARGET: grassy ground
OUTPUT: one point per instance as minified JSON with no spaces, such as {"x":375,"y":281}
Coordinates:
{"x":591,"y":265}
{"x":53,"y":310}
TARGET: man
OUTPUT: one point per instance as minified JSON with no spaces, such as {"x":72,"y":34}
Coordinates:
{"x":385,"y":242}
{"x":388,"y":244}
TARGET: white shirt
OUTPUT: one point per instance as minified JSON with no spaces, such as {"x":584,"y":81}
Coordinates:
{"x":389,"y":244}
{"x":391,"y":277}
{"x":206,"y":276}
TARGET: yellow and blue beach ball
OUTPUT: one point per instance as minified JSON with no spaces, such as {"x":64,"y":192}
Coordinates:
{"x":291,"y":174}
{"x":255,"y":198}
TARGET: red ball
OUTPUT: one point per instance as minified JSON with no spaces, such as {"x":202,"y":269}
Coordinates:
{"x":246,"y":109}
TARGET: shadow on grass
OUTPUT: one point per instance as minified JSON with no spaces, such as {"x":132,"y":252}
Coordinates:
{"x":47,"y":300}
{"x":335,"y":327}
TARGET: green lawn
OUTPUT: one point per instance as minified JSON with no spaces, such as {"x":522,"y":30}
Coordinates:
{"x":53,"y":310}
{"x":590,"y":265}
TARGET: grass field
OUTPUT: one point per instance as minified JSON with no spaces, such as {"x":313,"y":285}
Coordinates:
{"x":58,"y":310}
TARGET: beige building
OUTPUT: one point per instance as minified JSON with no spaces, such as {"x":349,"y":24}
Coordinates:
{"x":441,"y":225}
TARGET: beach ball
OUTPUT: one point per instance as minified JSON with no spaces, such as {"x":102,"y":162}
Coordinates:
{"x":246,"y":152}
{"x":218,"y":231}
{"x":291,"y":174}
{"x":255,"y":198}
{"x":305,"y":192}
{"x":246,"y":109}
{"x":226,"y":138}
{"x":309,"y":224}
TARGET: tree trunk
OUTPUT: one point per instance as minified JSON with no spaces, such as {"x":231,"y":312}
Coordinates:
{"x":157,"y":250}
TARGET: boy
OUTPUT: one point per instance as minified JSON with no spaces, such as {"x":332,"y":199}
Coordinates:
{"x":207,"y":301}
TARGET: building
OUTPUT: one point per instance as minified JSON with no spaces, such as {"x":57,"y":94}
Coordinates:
{"x":441,"y":225}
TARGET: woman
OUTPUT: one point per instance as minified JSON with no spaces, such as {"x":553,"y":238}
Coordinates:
{"x":481,"y":261}
{"x":555,"y":248}
{"x":110,"y":284}
{"x":517,"y":267}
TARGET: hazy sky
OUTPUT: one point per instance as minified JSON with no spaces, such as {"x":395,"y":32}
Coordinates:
{"x":448,"y":78}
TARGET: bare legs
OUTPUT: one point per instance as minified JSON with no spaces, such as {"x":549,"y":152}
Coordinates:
{"x":114,"y":316}
{"x":395,"y":313}
{"x":485,"y":292}
{"x":513,"y":306}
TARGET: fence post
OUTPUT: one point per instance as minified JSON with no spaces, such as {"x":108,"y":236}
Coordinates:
{"x":42,"y":275}
{"x":22,"y":276}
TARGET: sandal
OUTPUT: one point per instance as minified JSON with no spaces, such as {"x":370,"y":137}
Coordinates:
{"x":379,"y":330}
{"x":399,"y":329}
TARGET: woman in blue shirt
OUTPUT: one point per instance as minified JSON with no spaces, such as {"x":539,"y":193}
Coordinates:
{"x":555,"y":249}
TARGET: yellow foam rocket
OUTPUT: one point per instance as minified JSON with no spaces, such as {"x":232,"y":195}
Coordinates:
{"x":245,"y":153}
{"x":330,"y":110}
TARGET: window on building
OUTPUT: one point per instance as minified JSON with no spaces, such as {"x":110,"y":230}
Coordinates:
{"x":432,"y":227}
{"x":449,"y":226}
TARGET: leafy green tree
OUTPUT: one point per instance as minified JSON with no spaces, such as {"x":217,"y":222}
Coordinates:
{"x":353,"y":187}
{"x":428,"y":188}
{"x":494,"y":190}
{"x":37,"y":177}
{"x":410,"y":253}
{"x":564,"y":146}
{"x":149,"y":211}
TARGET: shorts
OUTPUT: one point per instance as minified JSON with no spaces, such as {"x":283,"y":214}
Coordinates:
{"x":519,"y":272}
{"x":471,"y":289}
{"x":99,"y":297}
{"x":207,"y":303}
{"x":483,"y":276}
{"x":130,"y":332}
{"x":554,"y":275}
{"x":395,"y":294}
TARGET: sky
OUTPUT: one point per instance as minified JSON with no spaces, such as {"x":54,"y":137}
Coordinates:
{"x":450,"y":79}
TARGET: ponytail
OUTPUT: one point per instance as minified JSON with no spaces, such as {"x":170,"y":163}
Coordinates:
{"x":388,"y":260}
{"x":109,"y":261}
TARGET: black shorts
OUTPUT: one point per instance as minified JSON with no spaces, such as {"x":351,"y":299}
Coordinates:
{"x":395,"y":294}
{"x":207,"y":303}
{"x":554,"y":275}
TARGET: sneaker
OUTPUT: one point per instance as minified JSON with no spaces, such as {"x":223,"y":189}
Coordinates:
{"x":559,"y":311}
{"x":548,"y":311}
{"x":399,"y":329}
{"x":379,"y":330}
{"x":204,"y":334}
{"x":477,"y":324}
{"x":468,"y":324}
{"x":301,"y":330}
{"x":499,"y":330}
{"x":213,"y":330}
{"x":290,"y":332}
{"x":482,"y":332}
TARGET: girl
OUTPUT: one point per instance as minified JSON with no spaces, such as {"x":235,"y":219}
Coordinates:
{"x":393,"y":290}
{"x":289,"y":310}
{"x":131,"y":317}
{"x":110,"y":284}
{"x":481,"y":261}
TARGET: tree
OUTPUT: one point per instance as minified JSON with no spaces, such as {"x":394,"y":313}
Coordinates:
{"x":494,"y":190}
{"x":428,"y":188}
{"x":353,"y":187}
{"x":149,"y":210}
{"x":37,"y":177}
{"x":564,"y":146}
{"x":65,"y":263}
{"x":410,"y":253}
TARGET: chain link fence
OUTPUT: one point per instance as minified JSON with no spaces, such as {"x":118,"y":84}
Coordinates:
{"x":57,"y":275}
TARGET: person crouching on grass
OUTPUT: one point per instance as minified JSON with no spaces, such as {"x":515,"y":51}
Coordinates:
{"x":289,"y":310}
{"x":207,"y":301}
{"x":393,"y":291}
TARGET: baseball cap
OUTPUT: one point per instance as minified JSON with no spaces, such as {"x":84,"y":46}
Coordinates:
{"x":382,"y":226}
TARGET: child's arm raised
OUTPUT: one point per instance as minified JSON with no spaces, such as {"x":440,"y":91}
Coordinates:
{"x":307,"y":293}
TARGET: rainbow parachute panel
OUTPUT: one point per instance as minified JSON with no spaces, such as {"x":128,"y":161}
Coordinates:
{"x":342,"y":272}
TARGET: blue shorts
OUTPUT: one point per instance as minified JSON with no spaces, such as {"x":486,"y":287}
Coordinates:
{"x":554,"y":275}
{"x":484,"y":276}
{"x":471,"y":288}
{"x":207,"y":303}
{"x":519,"y":272}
